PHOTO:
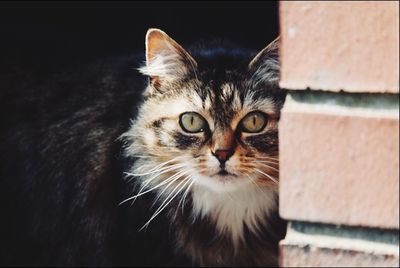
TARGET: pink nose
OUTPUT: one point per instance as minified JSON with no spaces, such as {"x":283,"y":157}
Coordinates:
{"x":223,"y":155}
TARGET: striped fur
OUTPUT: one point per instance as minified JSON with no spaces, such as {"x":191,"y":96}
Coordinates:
{"x":180,"y":167}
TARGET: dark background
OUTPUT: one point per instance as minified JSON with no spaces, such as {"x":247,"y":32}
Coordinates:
{"x":45,"y":93}
{"x":43,"y":34}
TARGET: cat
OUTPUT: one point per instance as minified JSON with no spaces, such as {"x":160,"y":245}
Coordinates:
{"x":101,"y":166}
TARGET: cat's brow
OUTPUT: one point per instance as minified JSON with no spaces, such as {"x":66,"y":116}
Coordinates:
{"x":158,"y":122}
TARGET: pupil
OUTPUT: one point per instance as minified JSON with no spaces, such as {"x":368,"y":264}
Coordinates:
{"x":254,"y":120}
{"x":191,"y":120}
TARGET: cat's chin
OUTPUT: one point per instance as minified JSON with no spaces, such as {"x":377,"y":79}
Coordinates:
{"x":222,"y":182}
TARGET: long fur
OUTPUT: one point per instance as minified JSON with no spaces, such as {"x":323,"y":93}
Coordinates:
{"x":79,"y":149}
{"x":180,"y":167}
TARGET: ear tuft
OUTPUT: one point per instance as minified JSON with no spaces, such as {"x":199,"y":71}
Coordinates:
{"x":156,"y":41}
{"x":165,"y":58}
{"x":265,"y":65}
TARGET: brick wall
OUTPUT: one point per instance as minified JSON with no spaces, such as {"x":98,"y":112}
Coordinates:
{"x":339,"y":133}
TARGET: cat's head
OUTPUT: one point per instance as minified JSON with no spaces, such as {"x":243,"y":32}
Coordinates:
{"x":209,"y":116}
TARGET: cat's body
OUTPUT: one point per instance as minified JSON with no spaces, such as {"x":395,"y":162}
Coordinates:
{"x":70,"y":151}
{"x":60,"y":162}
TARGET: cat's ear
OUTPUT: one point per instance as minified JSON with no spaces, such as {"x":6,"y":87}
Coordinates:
{"x":265,"y":65}
{"x":166,"y":60}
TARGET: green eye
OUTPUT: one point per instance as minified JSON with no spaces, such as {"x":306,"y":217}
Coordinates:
{"x":254,"y":122}
{"x":192,"y":122}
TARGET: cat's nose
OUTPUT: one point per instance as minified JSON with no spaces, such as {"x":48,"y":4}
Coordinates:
{"x":223,"y":155}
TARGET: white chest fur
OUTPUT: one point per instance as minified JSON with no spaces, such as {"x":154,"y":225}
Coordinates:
{"x":231,"y":210}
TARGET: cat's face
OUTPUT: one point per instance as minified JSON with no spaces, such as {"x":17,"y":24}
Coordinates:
{"x":208,"y":124}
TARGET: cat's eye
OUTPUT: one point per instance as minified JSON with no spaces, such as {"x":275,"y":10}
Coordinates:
{"x":192,"y":122}
{"x":254,"y":122}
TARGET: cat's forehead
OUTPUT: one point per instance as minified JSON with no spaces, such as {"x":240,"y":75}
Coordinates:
{"x":223,"y":101}
{"x":232,"y":97}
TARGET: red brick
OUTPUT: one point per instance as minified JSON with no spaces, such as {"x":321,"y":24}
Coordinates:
{"x":339,"y":167}
{"x":352,"y":46}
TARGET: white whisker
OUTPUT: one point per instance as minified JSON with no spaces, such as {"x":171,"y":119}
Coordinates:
{"x":170,"y":179}
{"x":183,"y":198}
{"x":252,"y":180}
{"x":268,"y":166}
{"x":169,"y":199}
{"x":177,"y":176}
{"x":154,"y":171}
{"x":160,"y":165}
{"x":143,"y":156}
{"x":267,"y":158}
{"x":160,"y":172}
{"x":268,"y":176}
